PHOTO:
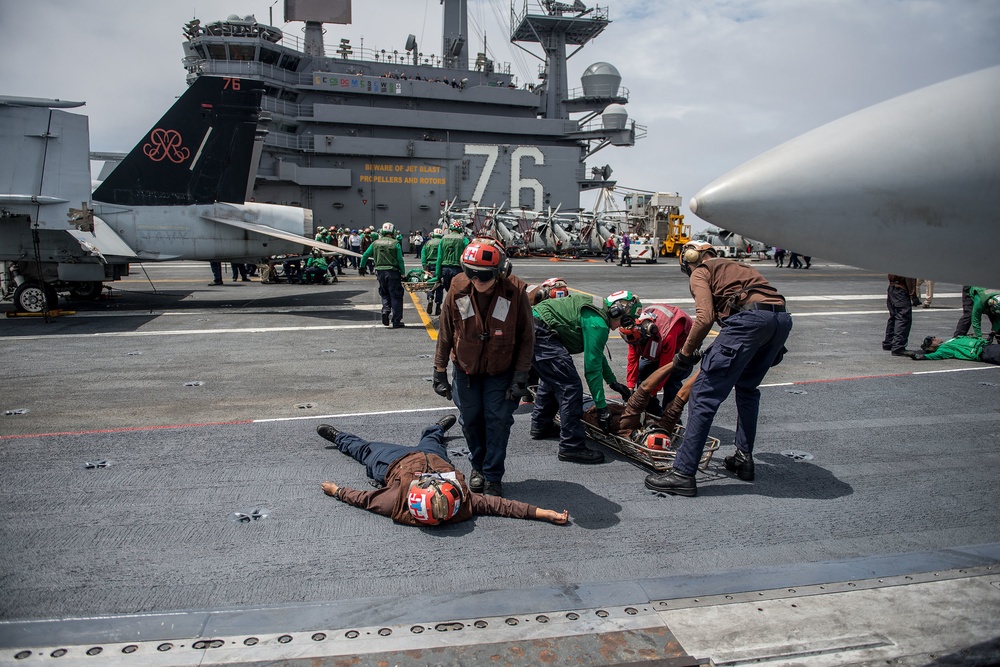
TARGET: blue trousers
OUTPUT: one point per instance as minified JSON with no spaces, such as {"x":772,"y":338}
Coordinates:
{"x":391,"y":290}
{"x":378,"y":456}
{"x":447,"y":273}
{"x":559,"y":390}
{"x":747,"y":346}
{"x":487,"y":416}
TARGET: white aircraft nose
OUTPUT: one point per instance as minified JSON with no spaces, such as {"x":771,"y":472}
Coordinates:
{"x":889,"y":188}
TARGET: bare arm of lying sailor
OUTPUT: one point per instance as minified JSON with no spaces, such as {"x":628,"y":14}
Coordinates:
{"x":552,"y":516}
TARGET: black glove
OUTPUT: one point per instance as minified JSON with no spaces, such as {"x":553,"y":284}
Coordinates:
{"x":518,"y":386}
{"x":604,"y":419}
{"x":441,"y":385}
{"x":917,"y":355}
{"x":683,"y":364}
{"x":361,"y":270}
{"x":622,"y":389}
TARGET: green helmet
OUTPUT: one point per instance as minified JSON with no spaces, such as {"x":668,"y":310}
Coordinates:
{"x":623,"y":305}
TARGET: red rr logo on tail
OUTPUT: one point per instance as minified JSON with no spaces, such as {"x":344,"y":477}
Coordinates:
{"x":166,"y":144}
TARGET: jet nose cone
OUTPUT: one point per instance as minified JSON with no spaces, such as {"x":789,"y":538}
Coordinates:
{"x":693,"y":204}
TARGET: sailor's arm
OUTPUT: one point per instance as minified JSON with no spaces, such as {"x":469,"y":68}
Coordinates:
{"x":595,"y":366}
{"x":704,"y":311}
{"x":496,"y":506}
{"x":380,"y":502}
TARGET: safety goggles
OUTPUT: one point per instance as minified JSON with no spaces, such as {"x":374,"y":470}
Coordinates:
{"x":482,"y":275}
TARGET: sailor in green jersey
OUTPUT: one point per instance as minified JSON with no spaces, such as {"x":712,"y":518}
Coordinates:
{"x":564,"y":327}
{"x":449,"y":259}
{"x":984,"y":302}
{"x":963,"y":347}
{"x":315,"y":269}
{"x":428,"y":259}
{"x":387,"y":255}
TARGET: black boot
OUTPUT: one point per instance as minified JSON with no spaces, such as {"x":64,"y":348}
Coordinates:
{"x":741,"y":463}
{"x":327,"y":432}
{"x":447,"y":422}
{"x":476,"y":481}
{"x":673,"y":482}
{"x":437,"y":308}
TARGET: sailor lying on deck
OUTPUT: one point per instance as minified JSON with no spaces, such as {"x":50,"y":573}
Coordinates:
{"x":422,"y":487}
{"x":970,"y":348}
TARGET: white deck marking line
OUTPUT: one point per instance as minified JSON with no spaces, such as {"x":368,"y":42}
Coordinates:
{"x":882,"y":375}
{"x":353,"y":414}
{"x":131,"y":334}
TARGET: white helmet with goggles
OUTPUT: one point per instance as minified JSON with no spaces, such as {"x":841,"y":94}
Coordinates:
{"x":623,"y":306}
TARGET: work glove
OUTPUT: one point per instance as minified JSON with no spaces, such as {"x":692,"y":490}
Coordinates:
{"x":361,"y":270}
{"x":917,"y":355}
{"x":518,"y":386}
{"x":622,"y":389}
{"x":683,"y":365}
{"x":604,"y":419}
{"x":441,"y":385}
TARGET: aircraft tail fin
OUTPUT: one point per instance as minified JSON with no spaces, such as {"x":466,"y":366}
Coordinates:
{"x":200,"y":151}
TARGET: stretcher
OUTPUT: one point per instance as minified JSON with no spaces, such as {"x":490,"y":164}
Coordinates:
{"x":417,"y":280}
{"x":658,"y":460}
{"x":427,"y":286}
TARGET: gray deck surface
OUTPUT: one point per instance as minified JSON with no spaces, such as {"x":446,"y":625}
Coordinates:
{"x":902,"y":463}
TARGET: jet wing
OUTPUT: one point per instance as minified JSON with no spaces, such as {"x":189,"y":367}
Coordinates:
{"x":281,"y":234}
{"x":103,"y":242}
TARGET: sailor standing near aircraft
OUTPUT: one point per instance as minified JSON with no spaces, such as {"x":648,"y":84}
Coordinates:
{"x":755,"y":327}
{"x":387,"y":254}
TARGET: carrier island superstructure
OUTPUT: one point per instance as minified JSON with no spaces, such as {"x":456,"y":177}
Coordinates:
{"x":362,"y":136}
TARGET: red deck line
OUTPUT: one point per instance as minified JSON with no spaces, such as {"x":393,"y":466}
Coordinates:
{"x":856,"y":377}
{"x":125,"y":429}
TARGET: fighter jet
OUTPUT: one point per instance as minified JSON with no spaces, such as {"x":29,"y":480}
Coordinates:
{"x":178,"y":195}
{"x":910,"y":186}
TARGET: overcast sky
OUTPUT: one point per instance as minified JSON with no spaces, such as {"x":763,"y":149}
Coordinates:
{"x":716,"y":82}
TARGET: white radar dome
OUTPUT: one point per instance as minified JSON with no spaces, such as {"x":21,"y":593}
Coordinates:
{"x":615,"y":117}
{"x":601,"y":80}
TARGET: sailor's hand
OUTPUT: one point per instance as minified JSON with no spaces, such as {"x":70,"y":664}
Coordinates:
{"x":917,"y":355}
{"x":329,"y":488}
{"x":622,"y":389}
{"x":361,"y":270}
{"x":552,"y":516}
{"x":518,"y":386}
{"x":604,"y":419}
{"x":441,"y":385}
{"x":683,"y":365}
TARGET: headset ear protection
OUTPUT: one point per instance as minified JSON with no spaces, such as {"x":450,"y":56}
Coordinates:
{"x":692,"y":256}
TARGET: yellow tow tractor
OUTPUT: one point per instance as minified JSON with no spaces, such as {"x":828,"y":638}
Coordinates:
{"x":656,"y":215}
